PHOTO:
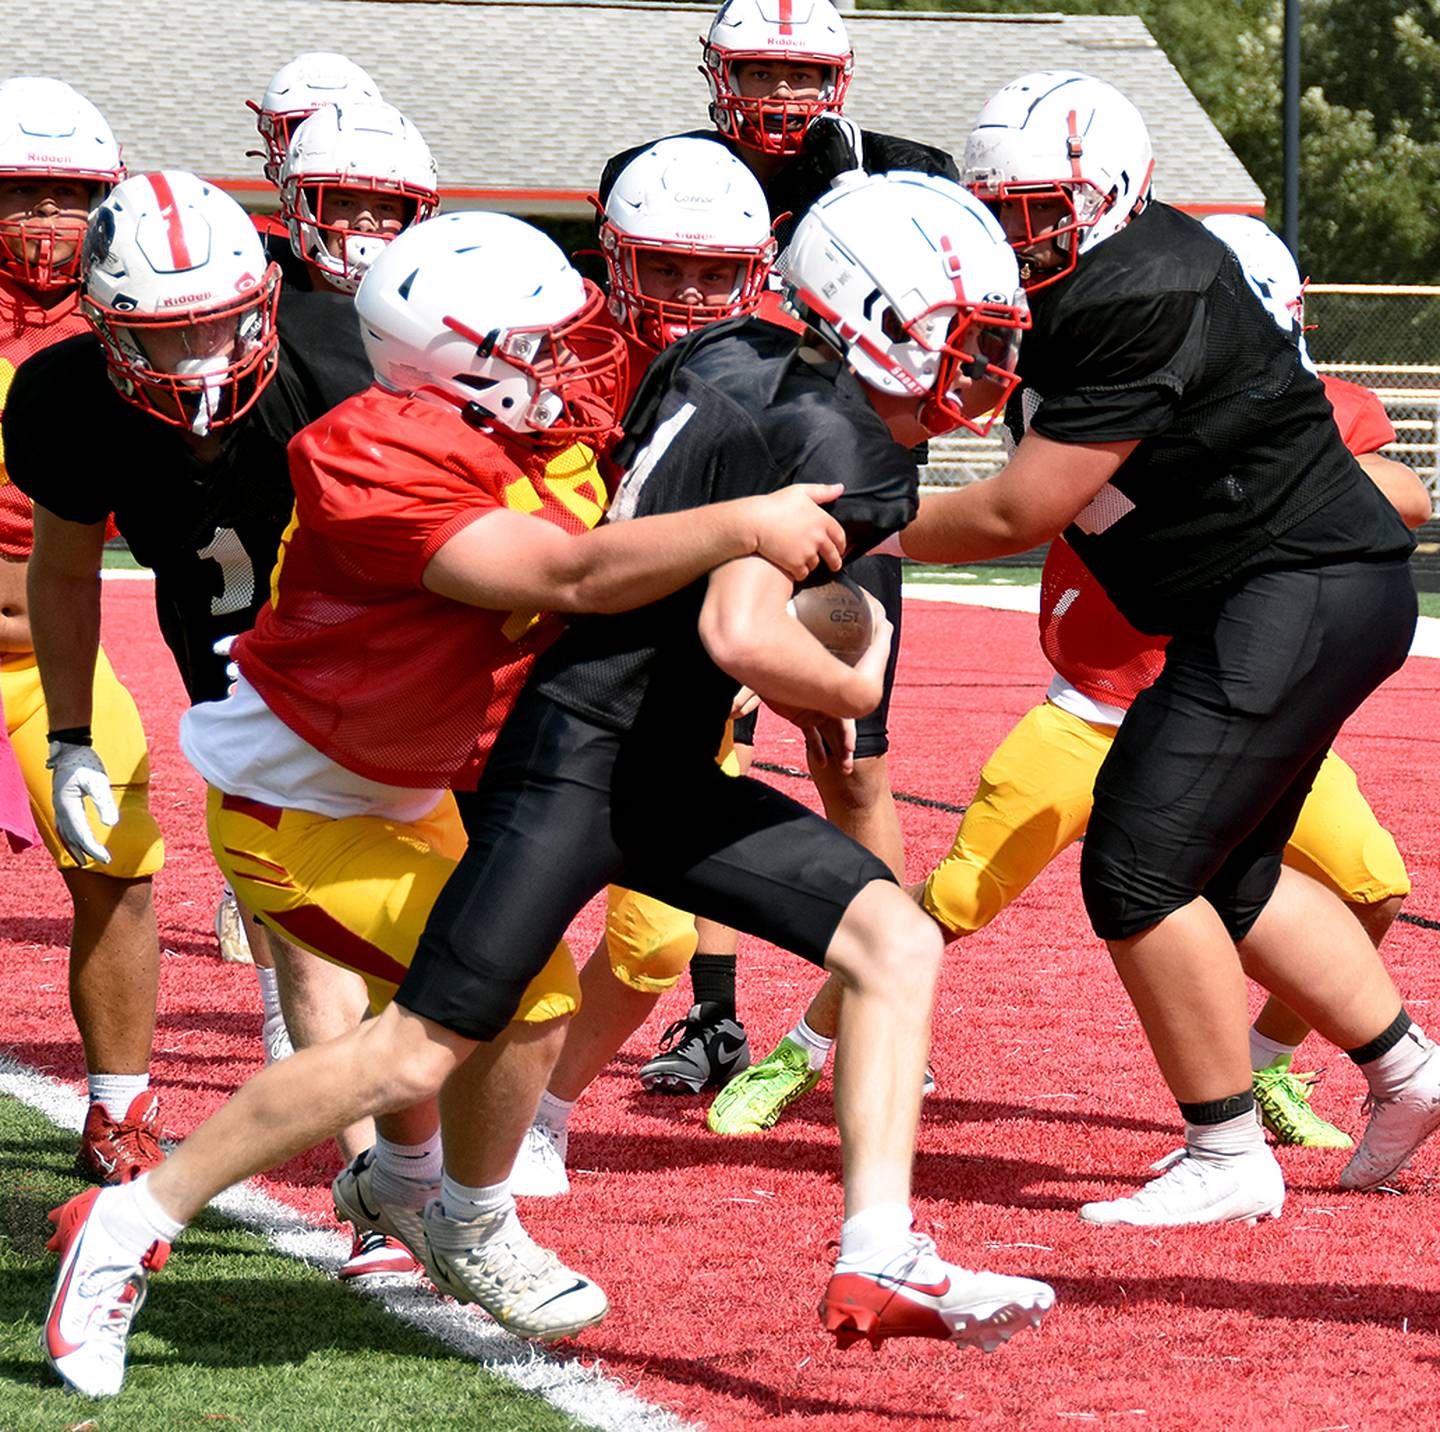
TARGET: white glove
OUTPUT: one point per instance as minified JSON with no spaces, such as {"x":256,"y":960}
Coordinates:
{"x":79,"y":773}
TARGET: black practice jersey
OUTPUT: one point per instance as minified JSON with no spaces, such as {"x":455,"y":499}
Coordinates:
{"x":1158,"y":338}
{"x":807,"y":176}
{"x":209,"y":530}
{"x":731,"y":411}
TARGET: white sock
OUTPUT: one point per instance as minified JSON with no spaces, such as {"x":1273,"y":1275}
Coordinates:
{"x":129,"y":1214}
{"x":1388,"y":1074}
{"x":1264,"y":1051}
{"x":555,"y":1113}
{"x":117,"y":1091}
{"x":464,"y":1202}
{"x":269,"y":992}
{"x":1241,"y":1135}
{"x":817,"y":1048}
{"x":406,"y":1173}
{"x":874,"y":1230}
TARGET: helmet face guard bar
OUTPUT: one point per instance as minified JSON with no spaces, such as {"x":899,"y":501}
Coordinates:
{"x":993,"y":331}
{"x":981,"y":347}
{"x":660,"y":322}
{"x":208,"y":398}
{"x":577,"y":370}
{"x":27,"y":251}
{"x":773,"y":126}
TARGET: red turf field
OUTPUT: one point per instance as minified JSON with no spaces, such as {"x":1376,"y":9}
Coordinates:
{"x":714,"y":1252}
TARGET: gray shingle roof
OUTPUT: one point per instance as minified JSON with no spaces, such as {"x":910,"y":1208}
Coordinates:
{"x":525,"y":95}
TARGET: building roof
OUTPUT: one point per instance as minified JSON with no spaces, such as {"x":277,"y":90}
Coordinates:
{"x":523,"y":100}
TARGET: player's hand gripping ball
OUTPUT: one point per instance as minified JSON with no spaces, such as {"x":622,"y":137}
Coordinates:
{"x":837,"y":616}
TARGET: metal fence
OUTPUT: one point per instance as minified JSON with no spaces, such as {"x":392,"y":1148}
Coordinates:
{"x":1386,"y":336}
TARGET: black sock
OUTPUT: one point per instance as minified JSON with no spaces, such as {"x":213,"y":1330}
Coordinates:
{"x":1218,"y":1111}
{"x":712,"y":977}
{"x":1383,"y":1042}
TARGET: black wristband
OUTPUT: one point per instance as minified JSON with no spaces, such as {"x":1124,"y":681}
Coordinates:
{"x":70,"y":736}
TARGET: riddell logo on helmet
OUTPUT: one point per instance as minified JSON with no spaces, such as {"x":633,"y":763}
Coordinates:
{"x":34,"y":158}
{"x":181,"y":300}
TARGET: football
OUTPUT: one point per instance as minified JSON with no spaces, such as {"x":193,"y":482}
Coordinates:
{"x":837,"y":616}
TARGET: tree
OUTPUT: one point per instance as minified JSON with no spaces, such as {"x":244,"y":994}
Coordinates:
{"x":1370,"y":114}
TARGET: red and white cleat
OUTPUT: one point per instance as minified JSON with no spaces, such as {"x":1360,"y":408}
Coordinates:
{"x":911,"y":1292}
{"x":375,"y":1254}
{"x":114,"y":1151}
{"x":100,"y":1287}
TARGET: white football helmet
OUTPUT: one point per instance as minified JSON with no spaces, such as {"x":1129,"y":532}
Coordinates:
{"x":487,"y":312}
{"x":1061,"y":137}
{"x":297,"y":89}
{"x":47,"y":130}
{"x":368,"y":146}
{"x":912,"y":280}
{"x":684,"y":199}
{"x":180,"y":293}
{"x":796,"y":30}
{"x":1270,"y":269}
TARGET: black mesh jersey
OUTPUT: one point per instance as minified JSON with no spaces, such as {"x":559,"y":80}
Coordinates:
{"x":731,"y":411}
{"x":806,"y":177}
{"x":1240,"y":468}
{"x":210,"y":531}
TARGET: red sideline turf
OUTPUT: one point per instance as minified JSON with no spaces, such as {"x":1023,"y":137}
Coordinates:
{"x":714,"y":1252}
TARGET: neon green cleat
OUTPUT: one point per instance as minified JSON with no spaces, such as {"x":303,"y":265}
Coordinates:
{"x":755,"y":1099}
{"x":1283,"y":1099}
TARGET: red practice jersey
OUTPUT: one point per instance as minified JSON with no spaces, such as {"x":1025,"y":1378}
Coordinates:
{"x":25,"y":328}
{"x":352,"y":652}
{"x":1361,"y":417}
{"x":1091,"y":645}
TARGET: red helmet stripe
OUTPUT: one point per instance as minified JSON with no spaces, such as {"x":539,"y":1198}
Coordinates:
{"x":787,"y":8}
{"x":1074,"y":147}
{"x":175,"y":227}
{"x":952,"y":267}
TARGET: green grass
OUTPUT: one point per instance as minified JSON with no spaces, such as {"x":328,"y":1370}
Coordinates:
{"x":233,"y":1335}
{"x":973,"y":576}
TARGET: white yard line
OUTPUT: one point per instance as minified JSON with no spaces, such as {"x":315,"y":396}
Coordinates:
{"x":584,"y":1392}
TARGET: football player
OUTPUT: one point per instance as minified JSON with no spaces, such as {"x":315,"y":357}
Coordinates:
{"x":686,"y":238}
{"x":1193,"y":463}
{"x":437,"y":515}
{"x":778,"y":72}
{"x":182,"y":366}
{"x":354,"y":176}
{"x":1035,"y":790}
{"x":58,"y":160}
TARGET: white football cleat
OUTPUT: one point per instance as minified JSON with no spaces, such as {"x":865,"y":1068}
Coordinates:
{"x":353,"y":1194}
{"x":1244,"y":1188}
{"x":911,"y":1292}
{"x":524,"y":1287}
{"x":99,"y":1289}
{"x":539,"y":1170}
{"x":1398,"y":1126}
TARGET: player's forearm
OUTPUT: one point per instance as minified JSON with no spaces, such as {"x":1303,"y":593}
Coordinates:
{"x":776,"y":657}
{"x":971,"y":525}
{"x":1407,"y":494}
{"x":65,"y":630}
{"x":629,"y":564}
